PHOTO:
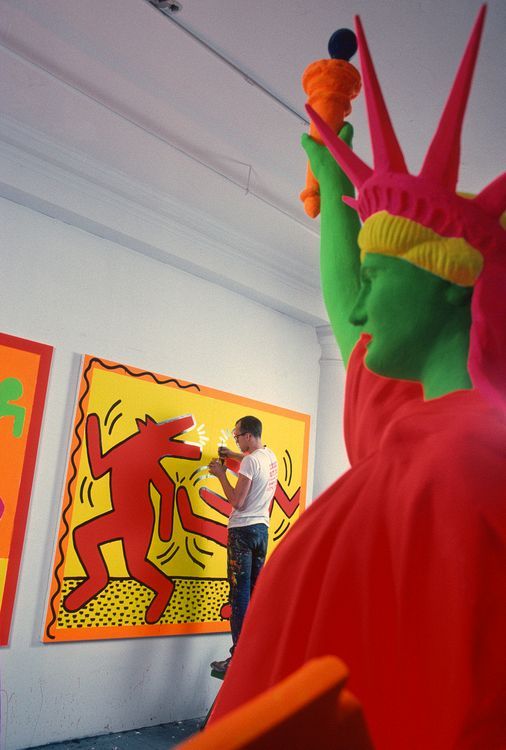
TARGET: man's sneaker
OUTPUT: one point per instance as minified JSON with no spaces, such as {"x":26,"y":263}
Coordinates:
{"x":220,"y":666}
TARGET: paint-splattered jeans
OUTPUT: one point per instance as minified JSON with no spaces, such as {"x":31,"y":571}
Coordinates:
{"x":246,"y":551}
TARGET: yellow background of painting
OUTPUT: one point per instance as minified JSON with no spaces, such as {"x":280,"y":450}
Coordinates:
{"x":215,"y":414}
{"x":3,"y":574}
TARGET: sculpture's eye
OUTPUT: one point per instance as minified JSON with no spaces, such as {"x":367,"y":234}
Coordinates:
{"x":367,"y":275}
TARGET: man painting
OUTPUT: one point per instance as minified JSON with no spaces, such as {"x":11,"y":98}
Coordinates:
{"x":248,"y":523}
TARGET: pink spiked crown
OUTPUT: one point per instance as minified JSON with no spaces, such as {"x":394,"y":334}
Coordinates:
{"x":428,"y":198}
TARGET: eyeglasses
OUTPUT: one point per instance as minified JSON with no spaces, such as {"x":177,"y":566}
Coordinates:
{"x":239,"y":434}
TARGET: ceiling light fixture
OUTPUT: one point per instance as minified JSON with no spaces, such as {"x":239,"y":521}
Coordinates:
{"x":167,"y":6}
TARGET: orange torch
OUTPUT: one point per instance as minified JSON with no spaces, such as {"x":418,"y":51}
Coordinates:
{"x":330,"y":85}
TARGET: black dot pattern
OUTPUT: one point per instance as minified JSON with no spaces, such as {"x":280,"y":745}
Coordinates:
{"x":124,"y":601}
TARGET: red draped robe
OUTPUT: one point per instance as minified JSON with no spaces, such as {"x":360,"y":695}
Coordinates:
{"x":399,"y":568}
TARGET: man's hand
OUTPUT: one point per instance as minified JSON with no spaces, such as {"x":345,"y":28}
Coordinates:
{"x":235,"y":495}
{"x":216,"y":468}
{"x":224,"y":453}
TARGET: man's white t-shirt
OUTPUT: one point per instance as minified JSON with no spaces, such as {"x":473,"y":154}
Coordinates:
{"x":261,"y":467}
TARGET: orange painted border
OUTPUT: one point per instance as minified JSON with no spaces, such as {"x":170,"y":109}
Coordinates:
{"x":44,"y":352}
{"x":139,"y":631}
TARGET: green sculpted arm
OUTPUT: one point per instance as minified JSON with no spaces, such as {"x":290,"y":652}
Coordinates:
{"x":339,"y":253}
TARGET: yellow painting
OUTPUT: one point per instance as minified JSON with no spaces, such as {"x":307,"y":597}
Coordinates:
{"x":141,"y":549}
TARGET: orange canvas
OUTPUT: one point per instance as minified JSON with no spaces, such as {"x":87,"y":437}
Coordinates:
{"x":141,"y":549}
{"x":24,"y":372}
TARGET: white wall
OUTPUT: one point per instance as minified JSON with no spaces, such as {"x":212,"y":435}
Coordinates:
{"x":83,"y":294}
{"x":331,"y":459}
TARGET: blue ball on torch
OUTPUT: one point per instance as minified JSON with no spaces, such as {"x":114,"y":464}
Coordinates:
{"x":342,"y":44}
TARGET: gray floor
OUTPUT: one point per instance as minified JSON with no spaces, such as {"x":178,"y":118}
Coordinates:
{"x":161,"y":737}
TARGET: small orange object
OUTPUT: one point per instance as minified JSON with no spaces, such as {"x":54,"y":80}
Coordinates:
{"x":330,"y":86}
{"x":309,"y":708}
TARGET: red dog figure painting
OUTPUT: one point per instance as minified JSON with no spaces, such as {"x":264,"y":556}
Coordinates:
{"x":133,"y":465}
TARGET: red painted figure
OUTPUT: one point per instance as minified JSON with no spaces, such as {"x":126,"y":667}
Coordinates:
{"x":133,"y":465}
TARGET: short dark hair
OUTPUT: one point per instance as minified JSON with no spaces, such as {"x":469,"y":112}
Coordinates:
{"x":251,"y":424}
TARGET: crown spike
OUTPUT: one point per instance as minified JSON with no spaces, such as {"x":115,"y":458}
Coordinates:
{"x":388,"y":156}
{"x":357,"y":170}
{"x":443,"y":156}
{"x":492,"y":199}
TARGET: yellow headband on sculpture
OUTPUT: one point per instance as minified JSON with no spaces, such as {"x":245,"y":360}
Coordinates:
{"x":451,"y":258}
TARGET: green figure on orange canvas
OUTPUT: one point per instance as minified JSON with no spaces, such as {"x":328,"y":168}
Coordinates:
{"x":11,"y":389}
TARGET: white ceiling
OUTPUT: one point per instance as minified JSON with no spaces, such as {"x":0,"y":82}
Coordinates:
{"x":125,"y":98}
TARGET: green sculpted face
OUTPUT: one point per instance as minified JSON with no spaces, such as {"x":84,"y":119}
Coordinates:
{"x":419,"y":324}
